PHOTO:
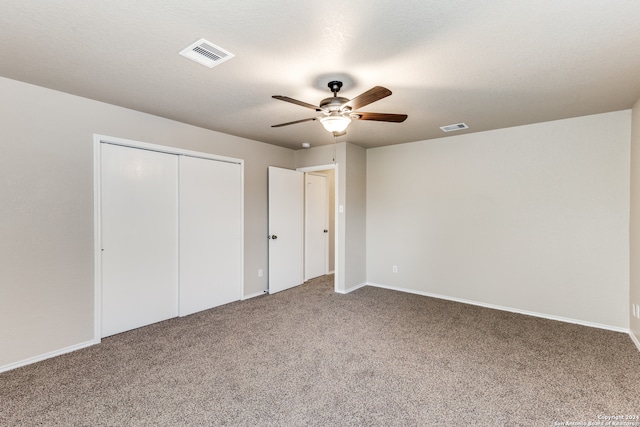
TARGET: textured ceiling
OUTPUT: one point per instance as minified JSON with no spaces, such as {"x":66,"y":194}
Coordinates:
{"x":490,"y":64}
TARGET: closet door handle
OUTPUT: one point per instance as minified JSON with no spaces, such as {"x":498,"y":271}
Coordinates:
{"x":273,"y":237}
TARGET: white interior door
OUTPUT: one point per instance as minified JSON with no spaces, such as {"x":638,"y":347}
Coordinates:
{"x":210,"y":234}
{"x":139,"y":212}
{"x":316,"y":233}
{"x":286,"y":228}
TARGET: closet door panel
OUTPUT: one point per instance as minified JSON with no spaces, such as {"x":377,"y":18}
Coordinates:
{"x":210,"y":234}
{"x":139,"y":220}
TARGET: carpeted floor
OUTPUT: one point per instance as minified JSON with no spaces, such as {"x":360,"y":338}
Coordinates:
{"x":309,"y":356}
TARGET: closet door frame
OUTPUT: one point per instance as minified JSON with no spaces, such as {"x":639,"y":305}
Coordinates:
{"x":97,"y":220}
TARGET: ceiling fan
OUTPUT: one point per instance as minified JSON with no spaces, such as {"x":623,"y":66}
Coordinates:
{"x":338,"y":112}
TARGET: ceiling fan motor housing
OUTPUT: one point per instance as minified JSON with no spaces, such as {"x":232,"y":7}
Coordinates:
{"x":333,"y":103}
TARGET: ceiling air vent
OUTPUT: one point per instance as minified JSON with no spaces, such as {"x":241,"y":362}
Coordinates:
{"x":206,"y":53}
{"x":457,"y":126}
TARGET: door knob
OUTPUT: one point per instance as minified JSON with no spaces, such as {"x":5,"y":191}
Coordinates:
{"x":326,"y":231}
{"x":274,"y":237}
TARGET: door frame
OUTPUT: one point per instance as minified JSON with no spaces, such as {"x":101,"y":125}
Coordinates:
{"x":336,"y":241}
{"x":97,"y":218}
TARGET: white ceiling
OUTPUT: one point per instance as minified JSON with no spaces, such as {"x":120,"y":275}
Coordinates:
{"x":490,"y":64}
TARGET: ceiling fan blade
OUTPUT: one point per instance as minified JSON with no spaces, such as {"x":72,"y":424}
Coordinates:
{"x":382,"y":117}
{"x":295,"y":101}
{"x":368,"y":97}
{"x":293,"y":123}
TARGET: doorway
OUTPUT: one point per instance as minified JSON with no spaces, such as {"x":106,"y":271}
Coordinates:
{"x":316,"y":225}
{"x":286,"y":226}
{"x":330,"y":172}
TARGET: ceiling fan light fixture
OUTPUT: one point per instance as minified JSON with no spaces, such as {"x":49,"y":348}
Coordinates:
{"x":335,"y":122}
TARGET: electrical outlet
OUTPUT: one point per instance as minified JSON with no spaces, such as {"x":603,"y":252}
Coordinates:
{"x":259,"y":272}
{"x":395,"y":268}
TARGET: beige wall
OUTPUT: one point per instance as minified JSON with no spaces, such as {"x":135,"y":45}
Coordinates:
{"x":46,"y":218}
{"x":634,"y":223}
{"x":355,"y":211}
{"x":531,"y":218}
{"x":318,"y":156}
{"x":331,"y":175}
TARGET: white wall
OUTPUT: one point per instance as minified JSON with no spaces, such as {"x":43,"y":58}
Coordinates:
{"x":46,"y":214}
{"x":531,"y":218}
{"x":634,"y":224}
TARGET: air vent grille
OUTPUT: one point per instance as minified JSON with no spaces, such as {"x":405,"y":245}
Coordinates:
{"x":206,"y":53}
{"x":457,"y":126}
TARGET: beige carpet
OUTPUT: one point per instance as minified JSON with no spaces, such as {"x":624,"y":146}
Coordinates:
{"x":308,"y":356}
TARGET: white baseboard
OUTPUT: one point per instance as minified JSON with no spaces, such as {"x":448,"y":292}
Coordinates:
{"x":502,"y":308}
{"x":353,"y":288}
{"x":256,"y":294}
{"x":635,"y":340}
{"x":49,"y":355}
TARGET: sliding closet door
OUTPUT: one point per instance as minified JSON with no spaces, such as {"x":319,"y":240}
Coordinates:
{"x":139,"y":223}
{"x":210,"y":234}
